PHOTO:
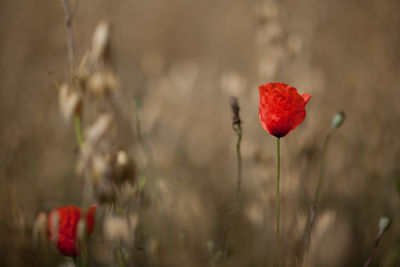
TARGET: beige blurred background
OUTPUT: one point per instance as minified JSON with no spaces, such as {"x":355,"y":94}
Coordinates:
{"x":183,"y":59}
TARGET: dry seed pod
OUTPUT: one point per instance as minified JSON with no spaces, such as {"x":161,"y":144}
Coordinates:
{"x":102,"y":84}
{"x":99,"y":129}
{"x":40,"y":228}
{"x":100,"y":42}
{"x":70,"y":102}
{"x":116,"y":229}
{"x":124,"y":169}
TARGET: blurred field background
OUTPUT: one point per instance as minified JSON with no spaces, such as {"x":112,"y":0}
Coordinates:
{"x":182,"y":59}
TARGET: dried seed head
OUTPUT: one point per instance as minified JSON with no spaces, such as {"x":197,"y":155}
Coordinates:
{"x":40,"y":228}
{"x":123,"y":167}
{"x":99,"y":129}
{"x":70,"y":102}
{"x":102,"y":84}
{"x":236,"y":122}
{"x":100,"y":42}
{"x":116,"y":229}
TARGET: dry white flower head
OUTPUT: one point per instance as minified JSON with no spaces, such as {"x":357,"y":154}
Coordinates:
{"x":99,"y":129}
{"x":102,"y":84}
{"x":100,"y":42}
{"x":70,"y":102}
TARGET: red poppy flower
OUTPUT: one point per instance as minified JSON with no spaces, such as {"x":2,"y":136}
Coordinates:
{"x":62,"y":226}
{"x":281,"y":108}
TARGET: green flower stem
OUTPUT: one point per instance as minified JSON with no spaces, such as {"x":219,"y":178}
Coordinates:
{"x":78,"y":130}
{"x":277,"y":195}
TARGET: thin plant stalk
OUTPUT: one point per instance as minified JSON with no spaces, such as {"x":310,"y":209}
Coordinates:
{"x":70,"y":39}
{"x":373,"y":252}
{"x":277,"y":196}
{"x":239,"y":164}
{"x":237,"y":127}
{"x":313,"y":205}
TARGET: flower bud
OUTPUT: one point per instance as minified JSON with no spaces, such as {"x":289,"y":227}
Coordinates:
{"x":338,"y":120}
{"x":384,"y":224}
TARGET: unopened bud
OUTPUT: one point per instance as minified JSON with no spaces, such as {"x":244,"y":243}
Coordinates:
{"x":338,"y":120}
{"x":384,"y":224}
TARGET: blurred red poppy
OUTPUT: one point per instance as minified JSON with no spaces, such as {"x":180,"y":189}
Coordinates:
{"x":62,"y":226}
{"x":281,"y":108}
